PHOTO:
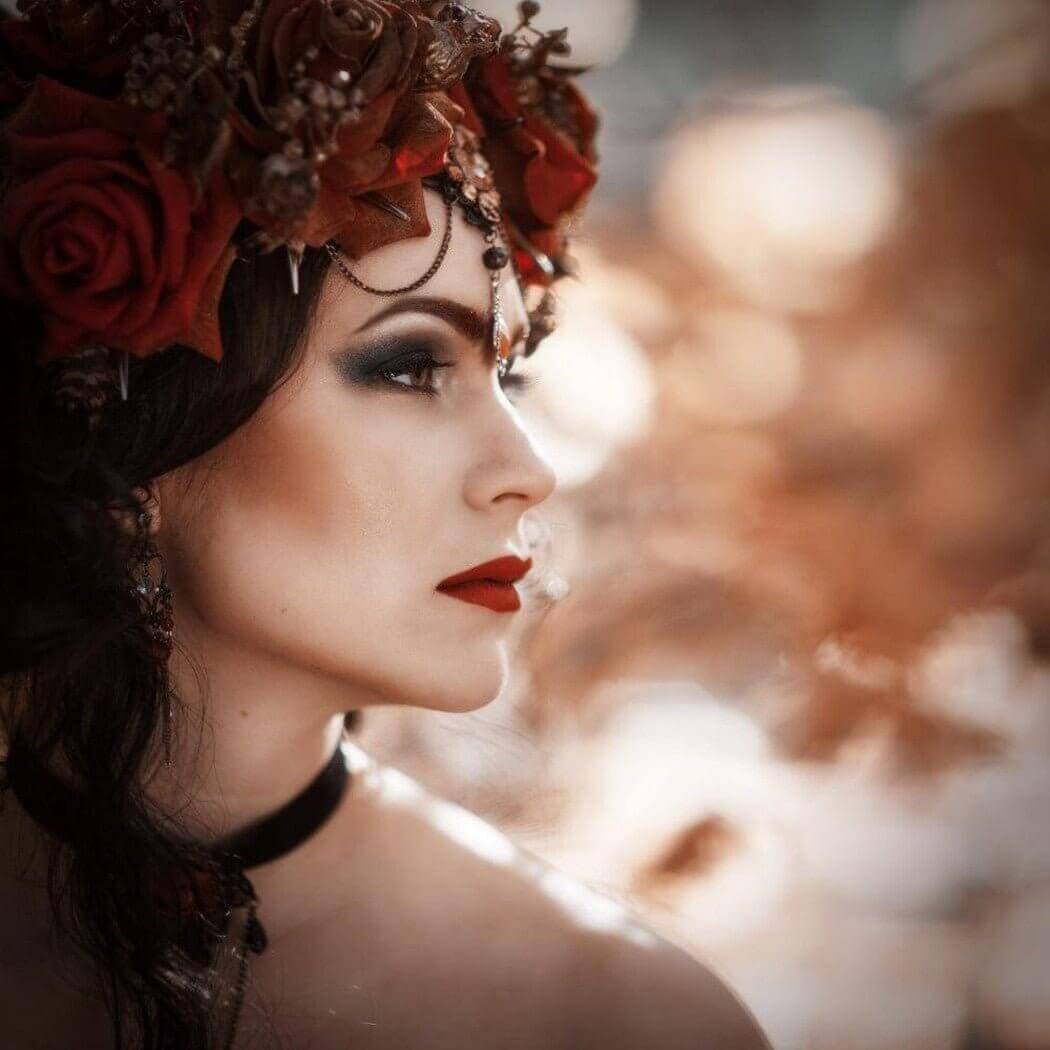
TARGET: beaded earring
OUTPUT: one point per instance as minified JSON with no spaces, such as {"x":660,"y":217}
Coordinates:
{"x":150,"y":584}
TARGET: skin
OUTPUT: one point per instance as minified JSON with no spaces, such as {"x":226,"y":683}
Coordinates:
{"x":304,"y":551}
{"x":303,"y":554}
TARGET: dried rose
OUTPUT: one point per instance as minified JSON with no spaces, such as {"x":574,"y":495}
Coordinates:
{"x":377,"y":43}
{"x":459,"y":35}
{"x":114,"y":247}
{"x":342,"y":73}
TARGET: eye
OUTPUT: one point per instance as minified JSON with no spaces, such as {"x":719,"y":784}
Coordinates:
{"x":417,"y":366}
{"x":422,"y":364}
{"x":514,"y":385}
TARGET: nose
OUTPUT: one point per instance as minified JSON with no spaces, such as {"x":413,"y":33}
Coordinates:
{"x":509,"y":468}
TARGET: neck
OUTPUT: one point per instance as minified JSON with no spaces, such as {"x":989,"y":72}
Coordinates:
{"x":258,"y":731}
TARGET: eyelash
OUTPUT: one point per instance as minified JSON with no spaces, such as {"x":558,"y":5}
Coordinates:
{"x":513,"y":382}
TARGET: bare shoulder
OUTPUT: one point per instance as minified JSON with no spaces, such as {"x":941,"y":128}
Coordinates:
{"x":452,"y":932}
{"x":642,"y":991}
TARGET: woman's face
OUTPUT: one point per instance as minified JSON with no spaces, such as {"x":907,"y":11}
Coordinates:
{"x":316,"y":535}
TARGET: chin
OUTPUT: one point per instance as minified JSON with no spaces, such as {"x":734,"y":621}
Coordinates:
{"x":463,"y":683}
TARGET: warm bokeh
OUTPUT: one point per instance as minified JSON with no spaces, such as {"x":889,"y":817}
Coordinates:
{"x":796,"y":706}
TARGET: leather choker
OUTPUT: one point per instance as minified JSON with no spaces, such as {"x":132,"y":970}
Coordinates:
{"x":52,"y":805}
{"x":291,"y":825}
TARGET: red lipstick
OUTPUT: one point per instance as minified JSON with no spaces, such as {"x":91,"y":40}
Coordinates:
{"x":490,"y":584}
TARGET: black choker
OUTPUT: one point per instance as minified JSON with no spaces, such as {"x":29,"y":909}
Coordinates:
{"x":52,"y":805}
{"x":279,"y":833}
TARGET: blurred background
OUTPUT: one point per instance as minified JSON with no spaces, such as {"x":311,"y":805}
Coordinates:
{"x":795,"y":706}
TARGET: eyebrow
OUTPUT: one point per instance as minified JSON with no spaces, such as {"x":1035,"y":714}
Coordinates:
{"x":465,"y":319}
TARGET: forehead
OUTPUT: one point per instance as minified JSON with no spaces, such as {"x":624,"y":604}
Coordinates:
{"x":462,"y":277}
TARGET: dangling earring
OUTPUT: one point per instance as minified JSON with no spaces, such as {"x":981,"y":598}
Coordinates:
{"x":155,"y":602}
{"x":154,"y":595}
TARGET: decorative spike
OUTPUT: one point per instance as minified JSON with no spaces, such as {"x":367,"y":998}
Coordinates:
{"x":295,"y":258}
{"x":386,"y":205}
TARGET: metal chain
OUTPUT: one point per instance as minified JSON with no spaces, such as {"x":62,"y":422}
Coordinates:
{"x":241,"y":986}
{"x":494,"y":277}
{"x":336,"y":255}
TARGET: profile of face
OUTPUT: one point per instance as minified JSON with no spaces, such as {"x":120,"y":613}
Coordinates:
{"x":315,"y":536}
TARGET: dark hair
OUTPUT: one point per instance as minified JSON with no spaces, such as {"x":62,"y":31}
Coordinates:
{"x":82,"y":694}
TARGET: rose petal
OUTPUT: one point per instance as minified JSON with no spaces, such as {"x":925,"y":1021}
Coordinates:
{"x":175,"y":204}
{"x":52,"y":109}
{"x":69,"y":250}
{"x":422,"y":142}
{"x":34,"y":152}
{"x":461,"y":97}
{"x":275,"y":43}
{"x":126,"y":207}
{"x":202,"y":332}
{"x":556,"y":184}
{"x":55,"y":294}
{"x":388,"y":59}
{"x":370,"y":227}
{"x":356,"y":138}
{"x":175,"y":319}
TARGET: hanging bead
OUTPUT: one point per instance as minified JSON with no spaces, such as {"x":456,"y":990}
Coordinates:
{"x":495,"y":258}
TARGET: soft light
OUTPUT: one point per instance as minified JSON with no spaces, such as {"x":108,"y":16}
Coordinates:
{"x":783,"y":191}
{"x":595,"y":389}
{"x":735,"y":367}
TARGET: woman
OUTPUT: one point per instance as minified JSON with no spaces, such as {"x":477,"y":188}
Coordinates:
{"x":260,"y":422}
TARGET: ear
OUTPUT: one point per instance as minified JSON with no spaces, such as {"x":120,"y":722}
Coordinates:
{"x":146,"y":504}
{"x":149,"y":504}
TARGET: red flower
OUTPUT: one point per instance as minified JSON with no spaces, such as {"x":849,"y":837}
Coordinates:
{"x":539,"y":134}
{"x":375,"y":41}
{"x":115,"y":247}
{"x":394,"y":164}
{"x":359,"y":60}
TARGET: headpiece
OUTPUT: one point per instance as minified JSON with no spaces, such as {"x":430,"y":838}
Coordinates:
{"x":138,"y":135}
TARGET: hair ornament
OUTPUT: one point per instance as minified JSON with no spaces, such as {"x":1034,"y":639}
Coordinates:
{"x":137,"y":136}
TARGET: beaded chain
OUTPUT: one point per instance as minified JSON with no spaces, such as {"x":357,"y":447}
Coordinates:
{"x":241,"y":987}
{"x":494,"y":258}
{"x":337,"y":257}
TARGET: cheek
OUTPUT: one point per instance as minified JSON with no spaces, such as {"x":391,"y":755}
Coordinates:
{"x":315,"y":537}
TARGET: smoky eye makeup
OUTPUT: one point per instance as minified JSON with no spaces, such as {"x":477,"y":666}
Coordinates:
{"x":386,"y":354}
{"x":387,"y":362}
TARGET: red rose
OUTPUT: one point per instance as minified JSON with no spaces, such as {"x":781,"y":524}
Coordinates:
{"x":115,"y":247}
{"x":539,"y":134}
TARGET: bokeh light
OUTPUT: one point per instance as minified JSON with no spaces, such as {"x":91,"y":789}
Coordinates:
{"x":734,"y":366}
{"x":594,"y":389}
{"x":782,"y":190}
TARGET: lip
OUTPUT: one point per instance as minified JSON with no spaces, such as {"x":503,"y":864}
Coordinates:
{"x":490,"y":584}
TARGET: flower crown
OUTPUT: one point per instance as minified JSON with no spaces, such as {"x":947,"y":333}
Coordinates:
{"x":138,"y":135}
